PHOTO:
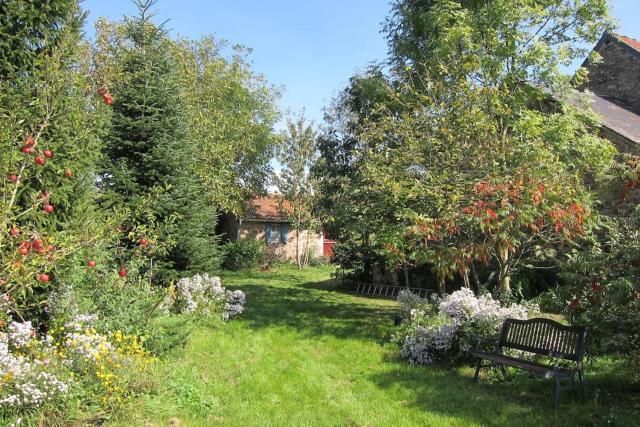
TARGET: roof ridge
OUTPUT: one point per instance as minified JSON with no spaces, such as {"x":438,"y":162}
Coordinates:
{"x":629,"y":41}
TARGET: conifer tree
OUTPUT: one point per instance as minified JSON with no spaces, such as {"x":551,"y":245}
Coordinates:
{"x":144,"y":151}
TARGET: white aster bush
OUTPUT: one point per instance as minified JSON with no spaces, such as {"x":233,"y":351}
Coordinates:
{"x":26,"y":381}
{"x":446,"y":328}
{"x":204,"y":295}
{"x":37,"y":369}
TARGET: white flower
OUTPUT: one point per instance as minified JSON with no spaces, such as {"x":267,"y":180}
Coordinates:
{"x":205,"y":295}
{"x":428,"y":338}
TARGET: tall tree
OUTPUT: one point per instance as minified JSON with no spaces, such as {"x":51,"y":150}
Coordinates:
{"x":229,"y":111}
{"x":476,"y":74}
{"x":51,"y":124}
{"x":343,"y":192}
{"x":463,"y":110}
{"x":145,"y":148}
{"x":297,"y":155}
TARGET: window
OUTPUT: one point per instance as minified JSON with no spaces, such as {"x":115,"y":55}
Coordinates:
{"x":275,"y":233}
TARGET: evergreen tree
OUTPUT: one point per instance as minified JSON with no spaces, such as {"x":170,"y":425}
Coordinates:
{"x":31,"y":30}
{"x":147,"y":149}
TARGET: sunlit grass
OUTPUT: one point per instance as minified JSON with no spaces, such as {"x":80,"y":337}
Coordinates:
{"x":306,"y":353}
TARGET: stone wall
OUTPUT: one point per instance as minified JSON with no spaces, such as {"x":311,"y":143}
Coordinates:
{"x":617,"y":75}
{"x":308,"y":239}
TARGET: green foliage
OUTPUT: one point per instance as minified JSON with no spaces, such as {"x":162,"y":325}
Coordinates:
{"x":455,"y":114}
{"x":602,"y":291}
{"x":49,"y":105}
{"x":188,"y":120}
{"x":297,"y":155}
{"x":144,"y":150}
{"x":342,"y":200}
{"x":229,"y":111}
{"x":30,"y":31}
{"x":245,"y":253}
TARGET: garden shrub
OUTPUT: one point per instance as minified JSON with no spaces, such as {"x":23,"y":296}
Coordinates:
{"x":446,"y":328}
{"x":601,"y":291}
{"x":245,"y":253}
{"x":205,"y":296}
{"x":70,"y":360}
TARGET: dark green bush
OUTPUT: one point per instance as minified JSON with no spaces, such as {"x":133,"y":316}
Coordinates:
{"x":245,"y":253}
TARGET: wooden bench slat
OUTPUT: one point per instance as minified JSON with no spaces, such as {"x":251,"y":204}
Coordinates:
{"x":543,"y":337}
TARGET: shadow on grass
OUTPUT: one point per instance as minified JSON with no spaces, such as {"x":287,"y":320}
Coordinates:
{"x":520,"y":399}
{"x":313,"y":309}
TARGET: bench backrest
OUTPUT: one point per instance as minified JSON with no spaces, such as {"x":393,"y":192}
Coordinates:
{"x":543,"y":336}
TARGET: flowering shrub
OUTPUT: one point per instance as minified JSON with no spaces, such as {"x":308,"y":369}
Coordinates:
{"x":24,"y":378}
{"x":408,"y":301}
{"x":234,"y":304}
{"x":204,"y":295}
{"x":35,"y":370}
{"x":446,"y":328}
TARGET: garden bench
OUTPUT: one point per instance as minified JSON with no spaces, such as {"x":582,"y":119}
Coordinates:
{"x":543,"y":337}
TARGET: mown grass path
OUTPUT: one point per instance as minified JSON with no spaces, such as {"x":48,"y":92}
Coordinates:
{"x":304,"y":354}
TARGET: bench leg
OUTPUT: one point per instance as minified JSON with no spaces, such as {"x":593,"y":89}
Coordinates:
{"x":478,"y":366}
{"x":556,"y":401}
{"x":583,"y":386}
{"x":504,"y":371}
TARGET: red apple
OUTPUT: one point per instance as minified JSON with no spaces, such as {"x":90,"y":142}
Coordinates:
{"x":144,"y":242}
{"x":91,"y":264}
{"x":37,"y":243}
{"x":27,"y":150}
{"x":51,"y":248}
{"x":24,"y":251}
{"x":12,"y":178}
{"x":108,"y":99}
{"x":40,"y":161}
{"x":122,"y":272}
{"x":48,"y":154}
{"x":102,"y":91}
{"x":68,"y":173}
{"x":48,"y":208}
{"x":44,"y":278}
{"x":14,"y":231}
{"x":29,"y":142}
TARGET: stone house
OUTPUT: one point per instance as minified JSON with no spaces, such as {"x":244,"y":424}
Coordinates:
{"x":265,"y":218}
{"x":614,"y":90}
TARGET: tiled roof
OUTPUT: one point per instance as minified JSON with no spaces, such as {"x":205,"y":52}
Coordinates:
{"x":267,"y":208}
{"x":633,"y":43}
{"x":614,"y":115}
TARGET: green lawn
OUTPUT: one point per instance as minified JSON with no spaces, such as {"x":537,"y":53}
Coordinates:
{"x":307,"y":354}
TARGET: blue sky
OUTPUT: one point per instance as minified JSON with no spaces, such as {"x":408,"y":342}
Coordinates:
{"x":311,"y":47}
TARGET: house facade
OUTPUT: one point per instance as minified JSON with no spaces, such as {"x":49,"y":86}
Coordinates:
{"x":614,"y":90}
{"x":265,"y":219}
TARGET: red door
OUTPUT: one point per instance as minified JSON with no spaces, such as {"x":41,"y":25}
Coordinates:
{"x":327,"y":247}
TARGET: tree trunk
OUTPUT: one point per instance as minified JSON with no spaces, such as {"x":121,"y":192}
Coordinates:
{"x":441,"y":285}
{"x":306,"y":250}
{"x":406,"y":276}
{"x":298,"y":249}
{"x":465,"y":279}
{"x":505,"y":276}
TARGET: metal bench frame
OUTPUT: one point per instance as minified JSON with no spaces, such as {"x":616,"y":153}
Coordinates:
{"x":539,"y":336}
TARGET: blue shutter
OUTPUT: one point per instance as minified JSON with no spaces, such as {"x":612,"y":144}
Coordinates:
{"x":284,"y":234}
{"x":267,"y":232}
